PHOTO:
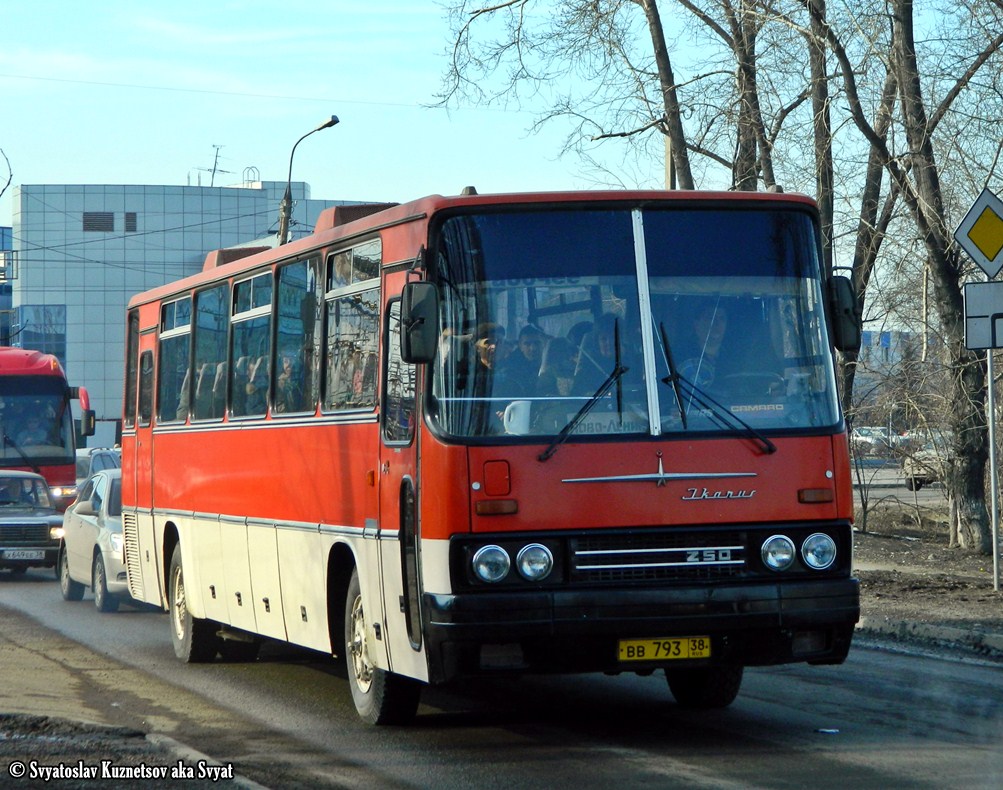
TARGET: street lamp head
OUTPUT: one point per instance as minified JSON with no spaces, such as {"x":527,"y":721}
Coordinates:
{"x":285,"y":207}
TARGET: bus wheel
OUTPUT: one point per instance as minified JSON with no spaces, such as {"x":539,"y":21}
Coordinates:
{"x":71,"y":590}
{"x":705,"y":687}
{"x":103,"y":600}
{"x":380,"y":697}
{"x":194,"y":639}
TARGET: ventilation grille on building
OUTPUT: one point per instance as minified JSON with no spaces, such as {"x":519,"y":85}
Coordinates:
{"x":130,"y":222}
{"x":99,"y":221}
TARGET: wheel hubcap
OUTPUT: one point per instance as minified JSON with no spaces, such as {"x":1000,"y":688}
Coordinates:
{"x":361,"y":666}
{"x":179,"y":608}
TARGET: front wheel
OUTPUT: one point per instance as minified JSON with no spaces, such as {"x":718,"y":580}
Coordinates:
{"x":71,"y":590}
{"x":705,"y":687}
{"x":194,"y":638}
{"x":103,"y":600}
{"x":380,"y":697}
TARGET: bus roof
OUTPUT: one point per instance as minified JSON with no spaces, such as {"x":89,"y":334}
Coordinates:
{"x":24,"y":362}
{"x":343,"y":222}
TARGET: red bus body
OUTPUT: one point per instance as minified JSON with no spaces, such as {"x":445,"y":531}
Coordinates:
{"x":37,"y":423}
{"x":653,"y":524}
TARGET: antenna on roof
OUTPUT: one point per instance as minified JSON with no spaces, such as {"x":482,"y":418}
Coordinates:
{"x":214,"y":169}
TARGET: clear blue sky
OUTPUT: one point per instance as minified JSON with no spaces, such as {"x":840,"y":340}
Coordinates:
{"x":140,"y":93}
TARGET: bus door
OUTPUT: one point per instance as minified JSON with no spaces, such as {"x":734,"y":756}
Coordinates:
{"x":137,"y":458}
{"x":399,"y":500}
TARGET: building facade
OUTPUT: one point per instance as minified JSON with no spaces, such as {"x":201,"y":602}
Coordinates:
{"x":79,"y":252}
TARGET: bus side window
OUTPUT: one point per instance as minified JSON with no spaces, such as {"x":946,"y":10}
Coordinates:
{"x":145,"y":388}
{"x":398,"y":406}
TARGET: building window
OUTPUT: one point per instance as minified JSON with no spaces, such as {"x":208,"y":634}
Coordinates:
{"x":130,"y":222}
{"x":99,"y":222}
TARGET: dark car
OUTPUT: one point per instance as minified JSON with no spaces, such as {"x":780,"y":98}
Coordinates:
{"x":30,"y":526}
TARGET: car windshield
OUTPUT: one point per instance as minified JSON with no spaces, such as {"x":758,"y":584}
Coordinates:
{"x":649,"y":321}
{"x":24,"y":492}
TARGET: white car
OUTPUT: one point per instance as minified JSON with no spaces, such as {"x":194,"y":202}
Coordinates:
{"x":91,"y":554}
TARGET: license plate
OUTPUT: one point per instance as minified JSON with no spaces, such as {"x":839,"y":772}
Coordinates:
{"x":667,"y":649}
{"x":24,"y":554}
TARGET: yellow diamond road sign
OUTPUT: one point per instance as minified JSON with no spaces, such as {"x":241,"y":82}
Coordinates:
{"x":980,"y":233}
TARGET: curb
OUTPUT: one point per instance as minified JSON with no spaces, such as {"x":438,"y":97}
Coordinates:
{"x":985,"y":643}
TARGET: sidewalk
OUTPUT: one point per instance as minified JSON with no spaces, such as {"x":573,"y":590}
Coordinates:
{"x":61,"y":721}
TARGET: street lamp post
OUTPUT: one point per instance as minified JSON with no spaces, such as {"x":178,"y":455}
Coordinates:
{"x":286,"y":207}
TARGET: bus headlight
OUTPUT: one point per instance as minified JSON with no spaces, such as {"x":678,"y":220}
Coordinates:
{"x":778,"y":552}
{"x":491,"y":564}
{"x":818,"y":551}
{"x":534,"y":562}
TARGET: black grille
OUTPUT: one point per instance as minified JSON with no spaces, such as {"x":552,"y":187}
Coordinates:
{"x":659,"y":556}
{"x":24,"y":533}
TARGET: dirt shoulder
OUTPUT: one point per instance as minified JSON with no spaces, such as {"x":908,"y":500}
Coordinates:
{"x":912,"y":582}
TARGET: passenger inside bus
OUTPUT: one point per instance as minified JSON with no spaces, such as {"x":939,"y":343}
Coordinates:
{"x":33,"y":433}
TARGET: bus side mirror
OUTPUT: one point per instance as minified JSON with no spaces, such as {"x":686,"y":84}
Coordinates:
{"x":419,"y":322}
{"x":846,"y":317}
{"x":88,"y":423}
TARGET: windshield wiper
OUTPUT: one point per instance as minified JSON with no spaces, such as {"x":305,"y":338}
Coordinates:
{"x":614,"y":377}
{"x":9,"y":442}
{"x":673,"y":377}
{"x":720,"y":413}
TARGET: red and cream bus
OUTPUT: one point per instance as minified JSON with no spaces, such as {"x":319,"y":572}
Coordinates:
{"x":36,"y":421}
{"x":528,"y":433}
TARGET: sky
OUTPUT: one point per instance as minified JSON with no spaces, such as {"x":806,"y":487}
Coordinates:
{"x":120,"y":92}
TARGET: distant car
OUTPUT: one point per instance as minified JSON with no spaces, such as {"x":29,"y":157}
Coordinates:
{"x":926,"y":465}
{"x":91,"y":554}
{"x":869,"y":440}
{"x":30,"y":525}
{"x":94,"y":459}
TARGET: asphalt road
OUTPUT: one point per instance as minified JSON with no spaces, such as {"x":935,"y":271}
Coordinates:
{"x":880,"y":720}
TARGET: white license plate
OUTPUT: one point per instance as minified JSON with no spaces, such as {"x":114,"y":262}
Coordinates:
{"x":24,"y":554}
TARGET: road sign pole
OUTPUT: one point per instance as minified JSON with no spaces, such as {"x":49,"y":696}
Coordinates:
{"x":993,"y":472}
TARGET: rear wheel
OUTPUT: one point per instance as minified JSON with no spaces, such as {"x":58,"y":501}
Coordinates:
{"x":705,"y":687}
{"x":194,"y":638}
{"x":380,"y":697}
{"x":103,"y":600}
{"x":71,"y":590}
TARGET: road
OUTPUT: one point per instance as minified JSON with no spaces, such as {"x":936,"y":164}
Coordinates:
{"x":882,"y":481}
{"x":881,"y":720}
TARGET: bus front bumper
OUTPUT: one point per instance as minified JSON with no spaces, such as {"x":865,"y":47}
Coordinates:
{"x":580,"y":630}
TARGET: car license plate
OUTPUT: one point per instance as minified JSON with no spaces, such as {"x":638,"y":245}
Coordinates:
{"x":24,"y":554}
{"x":667,"y":649}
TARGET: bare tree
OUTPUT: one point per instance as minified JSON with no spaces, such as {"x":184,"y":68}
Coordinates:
{"x":622,"y":85}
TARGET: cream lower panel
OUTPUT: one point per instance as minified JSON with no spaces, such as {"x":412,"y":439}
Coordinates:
{"x":202,"y":562}
{"x":263,"y":556}
{"x":434,"y":562}
{"x":303,"y":556}
{"x":404,"y":659}
{"x":237,"y":574}
{"x":151,"y":571}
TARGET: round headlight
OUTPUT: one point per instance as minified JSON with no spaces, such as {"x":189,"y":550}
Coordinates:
{"x":534,"y":562}
{"x":778,"y":553}
{"x":818,"y":551}
{"x":491,"y":564}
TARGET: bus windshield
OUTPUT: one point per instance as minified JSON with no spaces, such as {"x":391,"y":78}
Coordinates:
{"x":630,"y":321}
{"x":35,"y":421}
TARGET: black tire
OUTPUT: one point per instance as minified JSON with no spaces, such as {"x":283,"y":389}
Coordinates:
{"x":71,"y":590}
{"x":705,"y":687}
{"x":103,"y":600}
{"x":194,"y":638}
{"x":380,"y":697}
